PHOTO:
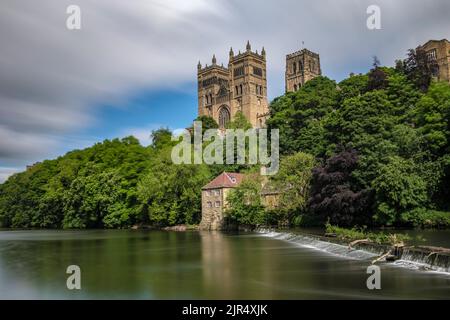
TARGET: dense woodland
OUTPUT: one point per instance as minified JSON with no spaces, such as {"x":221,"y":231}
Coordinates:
{"x":371,"y":150}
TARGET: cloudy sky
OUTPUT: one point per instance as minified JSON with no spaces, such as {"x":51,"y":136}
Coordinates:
{"x":132,"y":66}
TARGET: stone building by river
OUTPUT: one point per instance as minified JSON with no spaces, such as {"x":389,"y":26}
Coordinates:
{"x":214,"y":200}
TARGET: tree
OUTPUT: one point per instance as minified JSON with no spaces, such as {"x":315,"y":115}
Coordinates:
{"x":90,"y":199}
{"x":292,"y":182}
{"x":332,"y":195}
{"x":161,"y":137}
{"x":171,"y":194}
{"x":418,"y":69}
{"x":245,"y":205}
{"x":377,"y":77}
{"x":239,"y":122}
{"x":207,"y":123}
{"x":398,"y":189}
{"x":432,"y":116}
{"x":296,"y":115}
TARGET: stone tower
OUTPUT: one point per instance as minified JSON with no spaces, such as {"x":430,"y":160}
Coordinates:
{"x":242,"y":86}
{"x":301,"y":66}
{"x":438,"y":53}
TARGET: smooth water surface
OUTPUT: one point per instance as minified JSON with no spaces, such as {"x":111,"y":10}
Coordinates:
{"x":130,"y":264}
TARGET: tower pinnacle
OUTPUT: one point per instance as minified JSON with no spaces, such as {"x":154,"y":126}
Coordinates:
{"x":248,"y":47}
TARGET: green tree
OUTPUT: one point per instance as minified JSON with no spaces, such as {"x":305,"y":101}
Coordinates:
{"x":245,"y":206}
{"x":292,"y":181}
{"x":398,"y":189}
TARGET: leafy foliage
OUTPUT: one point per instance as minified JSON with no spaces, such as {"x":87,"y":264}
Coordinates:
{"x":245,"y":206}
{"x":333,"y":196}
{"x":371,"y":150}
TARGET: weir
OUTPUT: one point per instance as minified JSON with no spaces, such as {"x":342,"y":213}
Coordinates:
{"x":417,"y":257}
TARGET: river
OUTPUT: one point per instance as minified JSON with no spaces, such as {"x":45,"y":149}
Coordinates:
{"x":126,"y":264}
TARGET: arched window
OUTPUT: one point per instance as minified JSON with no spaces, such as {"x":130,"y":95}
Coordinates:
{"x":295,"y":67}
{"x":224,"y":117}
{"x":295,"y":87}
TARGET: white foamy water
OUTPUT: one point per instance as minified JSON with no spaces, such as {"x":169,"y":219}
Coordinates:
{"x":409,"y":259}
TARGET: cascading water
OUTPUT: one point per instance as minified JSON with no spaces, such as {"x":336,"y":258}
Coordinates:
{"x":311,"y":242}
{"x":424,"y":260}
{"x":415,"y":258}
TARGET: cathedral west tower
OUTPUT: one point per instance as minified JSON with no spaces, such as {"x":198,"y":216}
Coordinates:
{"x":241,"y":86}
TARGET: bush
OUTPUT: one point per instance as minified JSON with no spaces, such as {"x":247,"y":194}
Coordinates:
{"x":425,"y":218}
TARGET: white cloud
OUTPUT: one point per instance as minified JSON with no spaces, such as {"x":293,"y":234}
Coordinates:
{"x":52,"y":78}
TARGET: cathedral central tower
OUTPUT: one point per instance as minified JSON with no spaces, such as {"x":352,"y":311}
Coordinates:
{"x":242,"y":86}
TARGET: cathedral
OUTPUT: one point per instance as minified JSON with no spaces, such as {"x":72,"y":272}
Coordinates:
{"x":242,"y":85}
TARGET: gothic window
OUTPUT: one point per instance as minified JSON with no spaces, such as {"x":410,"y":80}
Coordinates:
{"x":240,"y":88}
{"x":239,"y":71}
{"x":257,"y":71}
{"x":431,"y":55}
{"x":237,"y":90}
{"x":301,"y":67}
{"x":224,"y":117}
{"x":259,"y":90}
{"x":295,"y":67}
{"x":210,"y":98}
{"x":295,"y":87}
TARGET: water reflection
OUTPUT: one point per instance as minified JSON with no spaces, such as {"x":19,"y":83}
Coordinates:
{"x":208,"y":265}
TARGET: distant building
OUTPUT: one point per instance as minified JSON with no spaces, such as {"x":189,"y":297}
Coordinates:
{"x":242,"y":86}
{"x":438,"y":53}
{"x":28,"y":167}
{"x":214,"y":200}
{"x":301,"y":66}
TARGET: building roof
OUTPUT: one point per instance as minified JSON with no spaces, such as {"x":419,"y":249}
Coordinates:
{"x":225,"y":180}
{"x":430,"y":41}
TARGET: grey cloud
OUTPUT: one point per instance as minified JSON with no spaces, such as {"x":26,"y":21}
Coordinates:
{"x":52,"y":78}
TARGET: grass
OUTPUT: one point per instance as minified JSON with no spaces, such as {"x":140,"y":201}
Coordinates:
{"x":357,"y":233}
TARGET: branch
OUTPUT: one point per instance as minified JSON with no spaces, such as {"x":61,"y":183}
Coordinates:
{"x":354,"y":243}
{"x":382,"y":257}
